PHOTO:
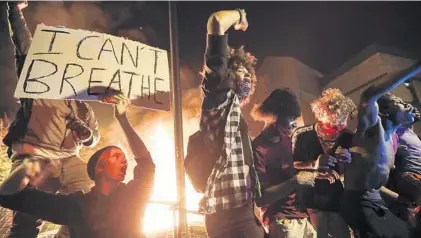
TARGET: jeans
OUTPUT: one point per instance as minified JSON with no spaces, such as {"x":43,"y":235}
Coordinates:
{"x":292,"y":228}
{"x":70,"y":176}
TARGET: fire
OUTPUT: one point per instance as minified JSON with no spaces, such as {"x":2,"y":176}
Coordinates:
{"x":158,"y":215}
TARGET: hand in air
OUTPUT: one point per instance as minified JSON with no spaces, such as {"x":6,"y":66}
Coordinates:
{"x":120,"y":101}
{"x":22,"y":4}
{"x":343,"y":155}
{"x":243,"y":23}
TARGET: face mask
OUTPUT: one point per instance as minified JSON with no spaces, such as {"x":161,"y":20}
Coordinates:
{"x":331,"y":129}
{"x":243,"y":89}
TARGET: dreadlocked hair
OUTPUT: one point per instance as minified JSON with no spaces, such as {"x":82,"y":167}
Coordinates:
{"x":333,"y":107}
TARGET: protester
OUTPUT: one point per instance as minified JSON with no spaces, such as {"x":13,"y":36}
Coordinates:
{"x":407,"y":171}
{"x":111,"y":209}
{"x":275,"y":168}
{"x":229,"y":80}
{"x":312,"y":150}
{"x":380,"y":114}
{"x":53,"y":129}
{"x":405,"y":178}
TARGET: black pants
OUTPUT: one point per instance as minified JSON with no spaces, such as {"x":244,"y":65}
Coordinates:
{"x":234,"y":223}
{"x":370,"y":218}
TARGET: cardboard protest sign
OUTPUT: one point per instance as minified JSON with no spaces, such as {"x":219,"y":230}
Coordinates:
{"x":65,"y":63}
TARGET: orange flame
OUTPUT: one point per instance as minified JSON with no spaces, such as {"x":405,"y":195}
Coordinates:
{"x":161,"y":146}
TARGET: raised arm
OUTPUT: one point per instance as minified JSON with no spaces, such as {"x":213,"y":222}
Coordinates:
{"x":216,"y":56}
{"x":368,"y":109}
{"x":22,"y":37}
{"x":136,"y":144}
{"x":220,"y":22}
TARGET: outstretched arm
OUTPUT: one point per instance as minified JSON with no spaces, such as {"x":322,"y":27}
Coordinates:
{"x":15,"y":194}
{"x":379,"y":90}
{"x":22,"y":37}
{"x":368,"y":108}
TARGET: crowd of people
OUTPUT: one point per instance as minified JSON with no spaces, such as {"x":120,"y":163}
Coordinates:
{"x":319,"y":180}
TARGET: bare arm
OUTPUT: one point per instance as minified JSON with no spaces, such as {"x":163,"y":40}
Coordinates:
{"x":392,"y":83}
{"x":220,"y":22}
{"x":368,"y":108}
{"x":388,"y":193}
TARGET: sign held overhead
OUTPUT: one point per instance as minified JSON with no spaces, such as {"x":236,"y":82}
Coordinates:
{"x":64,"y":63}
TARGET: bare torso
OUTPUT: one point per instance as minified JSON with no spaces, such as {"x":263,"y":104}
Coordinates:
{"x":372,"y":158}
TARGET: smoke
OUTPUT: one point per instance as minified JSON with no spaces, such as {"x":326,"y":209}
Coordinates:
{"x":76,"y":15}
{"x":106,"y":17}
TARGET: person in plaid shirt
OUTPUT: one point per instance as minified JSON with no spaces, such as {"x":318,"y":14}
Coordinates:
{"x":228,"y":81}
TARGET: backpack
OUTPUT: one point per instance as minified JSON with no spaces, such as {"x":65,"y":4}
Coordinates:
{"x":200,"y":159}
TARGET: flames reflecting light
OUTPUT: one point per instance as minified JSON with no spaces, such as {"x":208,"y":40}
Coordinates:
{"x":160,"y":141}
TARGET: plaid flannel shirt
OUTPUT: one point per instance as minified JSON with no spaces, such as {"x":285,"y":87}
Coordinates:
{"x":228,"y":186}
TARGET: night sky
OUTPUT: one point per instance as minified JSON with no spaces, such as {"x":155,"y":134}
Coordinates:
{"x":322,"y":35}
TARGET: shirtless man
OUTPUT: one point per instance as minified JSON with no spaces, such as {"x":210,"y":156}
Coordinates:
{"x":373,"y":153}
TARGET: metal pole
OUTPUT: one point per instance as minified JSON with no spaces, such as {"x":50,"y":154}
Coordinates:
{"x":178,"y":118}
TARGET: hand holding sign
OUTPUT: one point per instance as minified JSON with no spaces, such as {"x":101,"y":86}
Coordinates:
{"x":121,"y":103}
{"x":63,"y":63}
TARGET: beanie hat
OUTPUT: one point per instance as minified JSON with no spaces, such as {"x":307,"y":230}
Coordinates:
{"x":94,"y":160}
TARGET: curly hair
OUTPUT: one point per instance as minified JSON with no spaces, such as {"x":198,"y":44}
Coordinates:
{"x":240,"y":57}
{"x":333,"y":107}
{"x":280,"y":103}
